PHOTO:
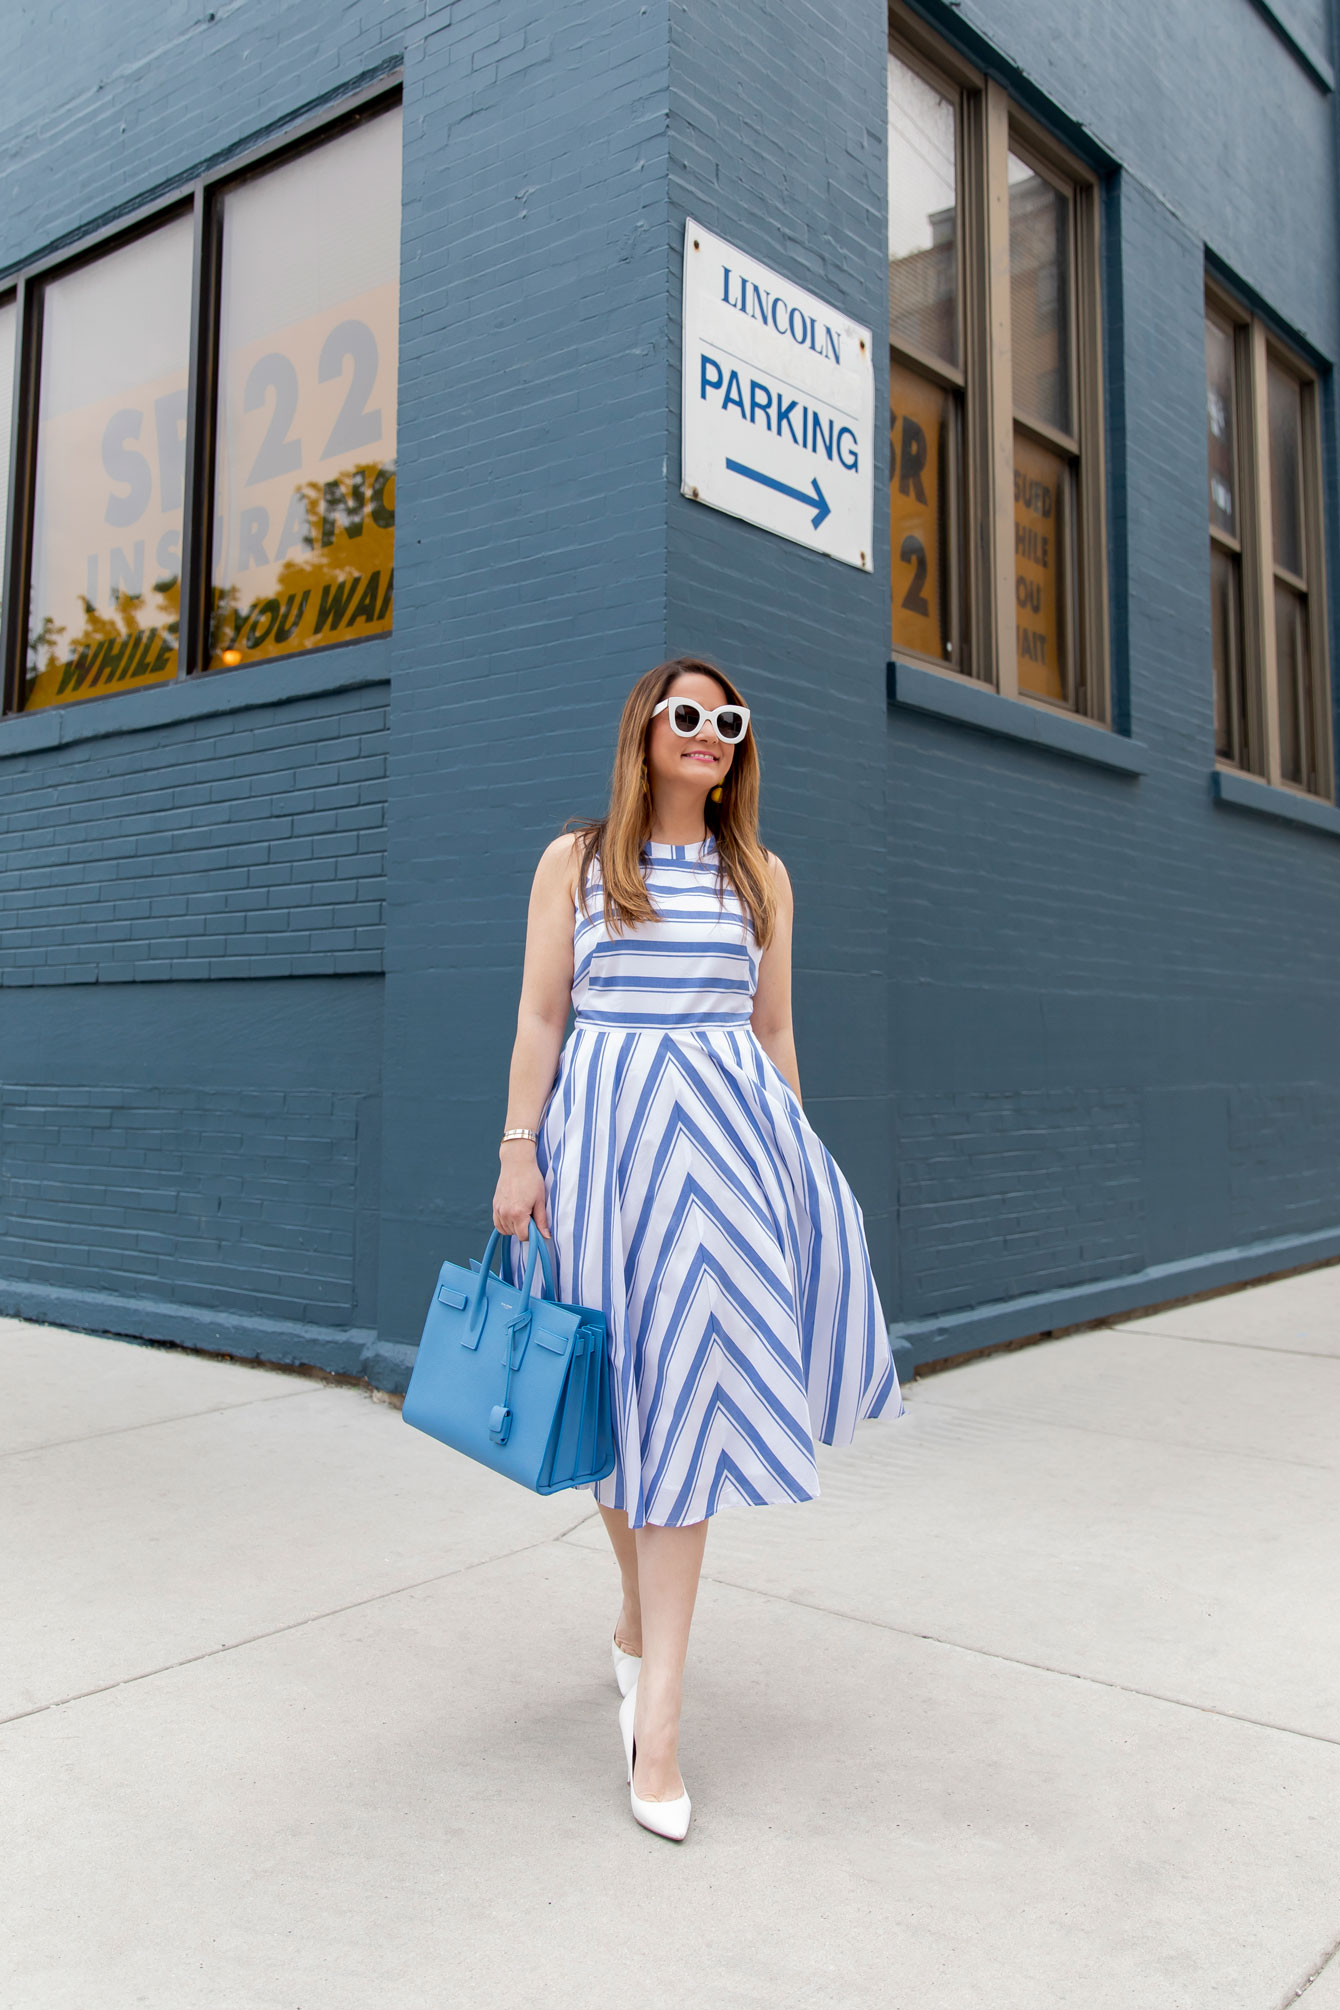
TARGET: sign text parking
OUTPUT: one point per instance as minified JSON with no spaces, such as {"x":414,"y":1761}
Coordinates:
{"x":778,"y":403}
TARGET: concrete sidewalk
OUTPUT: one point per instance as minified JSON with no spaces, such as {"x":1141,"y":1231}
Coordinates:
{"x":1036,"y":1709}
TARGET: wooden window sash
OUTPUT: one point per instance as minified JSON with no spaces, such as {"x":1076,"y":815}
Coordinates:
{"x":989,"y":127}
{"x":978,"y":446}
{"x":1314,"y":548}
{"x":1093,"y":691}
{"x":1048,"y":436}
{"x":1253,"y":755}
{"x":922,"y":49}
{"x":999,"y":516}
{"x":1085,"y":600}
{"x":1254,"y":549}
{"x":1086,"y":591}
{"x":925,"y":365}
{"x":1259,"y":573}
{"x":1240,"y":725}
{"x":962,"y":85}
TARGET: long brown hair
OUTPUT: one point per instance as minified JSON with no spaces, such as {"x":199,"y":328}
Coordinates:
{"x":616,"y":839}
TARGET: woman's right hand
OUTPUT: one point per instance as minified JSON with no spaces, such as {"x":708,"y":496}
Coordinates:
{"x":519,"y":1196}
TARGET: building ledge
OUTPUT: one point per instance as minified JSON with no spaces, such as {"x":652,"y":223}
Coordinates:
{"x":967,"y":703}
{"x":340,"y":668}
{"x":1311,"y":60}
{"x":336,"y":1350}
{"x":1040,"y":1315}
{"x":1245,"y":792}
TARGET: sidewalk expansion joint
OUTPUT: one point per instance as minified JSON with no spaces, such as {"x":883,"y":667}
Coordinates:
{"x":1122,"y":1437}
{"x":1238,"y":1346}
{"x":156,"y":1423}
{"x":1314,"y":1975}
{"x":273,"y":1632}
{"x":1019,"y":1661}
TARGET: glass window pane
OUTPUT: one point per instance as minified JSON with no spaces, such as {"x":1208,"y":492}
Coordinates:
{"x":1294,"y":679}
{"x":1039,"y":296}
{"x":924,"y":515}
{"x":1230,"y":736}
{"x":8,"y":328}
{"x":923,"y":222}
{"x":1221,"y":407}
{"x":1041,"y":569}
{"x":1286,"y":470}
{"x":304,"y":502}
{"x":104,"y":593}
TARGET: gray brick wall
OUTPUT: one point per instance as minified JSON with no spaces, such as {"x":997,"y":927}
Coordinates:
{"x":1015,"y":1192}
{"x":251,"y":844}
{"x":1284,"y":1152}
{"x":233,"y":1200}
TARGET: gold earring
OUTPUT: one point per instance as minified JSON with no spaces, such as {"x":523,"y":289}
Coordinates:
{"x":715,"y":793}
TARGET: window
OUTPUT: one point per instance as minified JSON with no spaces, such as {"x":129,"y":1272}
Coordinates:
{"x":304,"y":486}
{"x":207,"y":415}
{"x":105,"y":566}
{"x":1233,"y":733}
{"x":996,"y":461}
{"x":8,"y":333}
{"x":1268,"y":616}
{"x":927,"y":376}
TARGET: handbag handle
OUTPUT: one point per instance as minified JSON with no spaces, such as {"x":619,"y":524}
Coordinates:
{"x":535,"y":1245}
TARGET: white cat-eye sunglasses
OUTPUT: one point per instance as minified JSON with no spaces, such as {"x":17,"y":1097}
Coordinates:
{"x":730,"y":723}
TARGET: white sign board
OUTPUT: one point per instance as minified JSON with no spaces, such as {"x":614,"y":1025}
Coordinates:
{"x":778,"y":403}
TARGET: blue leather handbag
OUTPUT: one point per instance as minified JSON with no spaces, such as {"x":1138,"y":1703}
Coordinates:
{"x":520,"y":1383}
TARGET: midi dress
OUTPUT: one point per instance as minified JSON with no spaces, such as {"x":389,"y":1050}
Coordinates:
{"x":692,"y":1203}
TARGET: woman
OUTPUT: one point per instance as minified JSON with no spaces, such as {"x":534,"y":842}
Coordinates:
{"x":666,"y":1151}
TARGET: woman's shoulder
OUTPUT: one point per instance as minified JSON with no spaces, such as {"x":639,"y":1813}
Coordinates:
{"x":562,"y":850}
{"x":560,"y":862}
{"x":780,"y":877}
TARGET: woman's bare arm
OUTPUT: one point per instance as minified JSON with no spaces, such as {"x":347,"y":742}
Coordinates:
{"x":771,"y":1017}
{"x":546,"y":991}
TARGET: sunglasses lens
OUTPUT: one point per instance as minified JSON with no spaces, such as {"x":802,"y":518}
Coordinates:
{"x":687,"y":716}
{"x":730,"y":725}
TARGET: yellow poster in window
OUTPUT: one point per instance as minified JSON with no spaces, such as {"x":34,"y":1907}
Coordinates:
{"x":106,"y":592}
{"x":1039,"y":570}
{"x":304,"y":466}
{"x":304,"y":528}
{"x":105,"y":580}
{"x":919,"y":421}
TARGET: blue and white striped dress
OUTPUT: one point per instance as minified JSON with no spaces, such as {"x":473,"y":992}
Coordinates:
{"x":691,"y":1201}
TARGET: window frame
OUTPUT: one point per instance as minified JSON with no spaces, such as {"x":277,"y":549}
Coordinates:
{"x":990,"y":126}
{"x":202,"y":199}
{"x":1247,"y":726}
{"x":1256,"y":347}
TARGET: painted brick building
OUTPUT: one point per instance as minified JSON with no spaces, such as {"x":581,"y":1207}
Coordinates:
{"x":293,"y":296}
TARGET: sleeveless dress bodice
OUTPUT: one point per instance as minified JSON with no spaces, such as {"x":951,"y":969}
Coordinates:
{"x":696,"y":966}
{"x":692,"y":1202}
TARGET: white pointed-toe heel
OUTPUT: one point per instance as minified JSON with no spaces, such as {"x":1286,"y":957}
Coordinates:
{"x":664,"y":1818}
{"x":627,"y":1667}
